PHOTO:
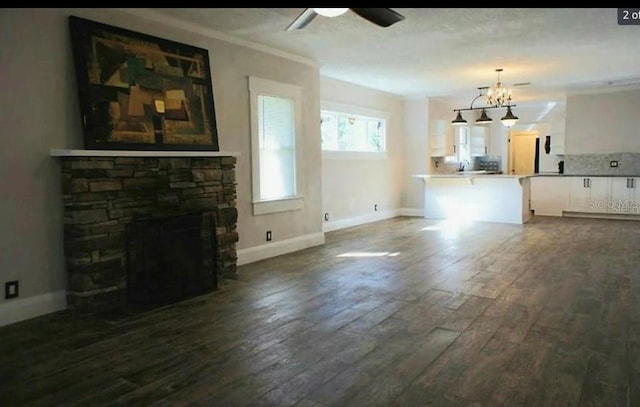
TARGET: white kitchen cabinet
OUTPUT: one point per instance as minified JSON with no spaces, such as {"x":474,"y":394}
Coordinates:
{"x":441,"y":138}
{"x":624,"y":196}
{"x":549,"y":195}
{"x":588,"y":194}
{"x":479,"y":140}
{"x":554,"y":195}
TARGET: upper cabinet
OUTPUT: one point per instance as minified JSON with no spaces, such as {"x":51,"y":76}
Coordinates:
{"x":441,"y":138}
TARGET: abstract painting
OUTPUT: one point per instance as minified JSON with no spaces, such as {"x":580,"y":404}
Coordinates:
{"x":140,"y":92}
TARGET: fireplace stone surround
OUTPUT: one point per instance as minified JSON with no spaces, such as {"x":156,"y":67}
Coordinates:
{"x":105,"y":192}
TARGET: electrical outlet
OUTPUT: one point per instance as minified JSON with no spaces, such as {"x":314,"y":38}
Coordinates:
{"x":375,"y":207}
{"x":326,"y":217}
{"x":11,"y":289}
{"x":268,"y":235}
{"x":613,"y":164}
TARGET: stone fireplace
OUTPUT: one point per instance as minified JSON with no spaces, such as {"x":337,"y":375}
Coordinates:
{"x":146,"y":227}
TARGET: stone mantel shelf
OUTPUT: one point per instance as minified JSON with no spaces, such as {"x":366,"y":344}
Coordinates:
{"x":59,"y":152}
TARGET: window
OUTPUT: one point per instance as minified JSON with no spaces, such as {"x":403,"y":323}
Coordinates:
{"x":352,"y":129}
{"x":275,"y":127}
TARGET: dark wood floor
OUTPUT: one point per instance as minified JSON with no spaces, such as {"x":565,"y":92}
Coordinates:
{"x":543,"y":314}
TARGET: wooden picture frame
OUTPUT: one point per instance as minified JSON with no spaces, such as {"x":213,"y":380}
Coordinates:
{"x":140,"y":92}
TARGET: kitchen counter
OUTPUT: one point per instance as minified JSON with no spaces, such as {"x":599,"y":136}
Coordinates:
{"x":476,"y":197}
{"x":470,"y":174}
{"x":555,"y":174}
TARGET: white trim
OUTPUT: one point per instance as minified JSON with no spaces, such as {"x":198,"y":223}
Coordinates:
{"x":359,"y":220}
{"x":354,"y":109}
{"x":13,"y":311}
{"x":597,"y":215}
{"x":266,"y":87}
{"x":278,"y":205}
{"x":418,"y":212}
{"x":61,"y":152}
{"x":256,"y":253}
{"x":353,"y":155}
{"x":194,"y":28}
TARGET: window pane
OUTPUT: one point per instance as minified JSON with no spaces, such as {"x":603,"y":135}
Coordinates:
{"x":276,"y":176}
{"x":349,"y":132}
{"x":329,"y":130}
{"x":277,"y":147}
{"x":277,"y":123}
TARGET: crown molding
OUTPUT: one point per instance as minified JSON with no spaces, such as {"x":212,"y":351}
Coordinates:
{"x":208,"y":32}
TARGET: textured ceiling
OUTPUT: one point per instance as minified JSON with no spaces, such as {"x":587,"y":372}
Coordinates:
{"x":448,"y":52}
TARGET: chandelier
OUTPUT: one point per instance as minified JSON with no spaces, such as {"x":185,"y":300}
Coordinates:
{"x":508,"y":120}
{"x":498,"y":95}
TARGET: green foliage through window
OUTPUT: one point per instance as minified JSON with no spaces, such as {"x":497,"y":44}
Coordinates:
{"x":351,"y":132}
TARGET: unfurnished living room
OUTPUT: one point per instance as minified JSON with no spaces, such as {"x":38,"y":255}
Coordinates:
{"x":320,"y":207}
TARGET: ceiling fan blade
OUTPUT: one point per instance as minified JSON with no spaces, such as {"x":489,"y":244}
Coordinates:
{"x":302,"y":20}
{"x":383,"y":17}
{"x":522,"y":84}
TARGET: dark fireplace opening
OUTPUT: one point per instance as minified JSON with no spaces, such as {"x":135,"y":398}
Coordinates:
{"x":170,"y":259}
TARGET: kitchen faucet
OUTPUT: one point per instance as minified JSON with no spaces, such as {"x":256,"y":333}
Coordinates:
{"x":461,"y":166}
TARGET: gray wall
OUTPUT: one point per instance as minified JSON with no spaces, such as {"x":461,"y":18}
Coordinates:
{"x":40,"y":111}
{"x":603,"y":123}
{"x":351,"y":186}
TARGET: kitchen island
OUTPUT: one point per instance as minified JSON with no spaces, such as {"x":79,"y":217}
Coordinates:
{"x":477,"y":197}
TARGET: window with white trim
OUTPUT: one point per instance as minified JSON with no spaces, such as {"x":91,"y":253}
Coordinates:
{"x":346,"y":131}
{"x":275,"y":127}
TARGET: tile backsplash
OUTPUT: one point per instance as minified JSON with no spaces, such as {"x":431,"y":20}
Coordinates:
{"x":485,"y":162}
{"x":600,"y":164}
{"x":488,"y":162}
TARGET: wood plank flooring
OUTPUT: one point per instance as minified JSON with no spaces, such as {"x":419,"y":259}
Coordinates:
{"x":402,"y":312}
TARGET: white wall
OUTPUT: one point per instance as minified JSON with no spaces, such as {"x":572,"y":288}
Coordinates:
{"x":416,"y":153}
{"x":603,"y":123}
{"x":40,"y":111}
{"x":350,"y":186}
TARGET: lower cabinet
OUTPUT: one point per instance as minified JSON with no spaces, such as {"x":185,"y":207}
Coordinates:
{"x":625,"y":197}
{"x":549,"y":195}
{"x":588,"y":194}
{"x":554,"y":195}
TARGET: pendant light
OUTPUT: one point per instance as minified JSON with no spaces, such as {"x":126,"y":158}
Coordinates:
{"x":458,"y":121}
{"x":483,"y":119}
{"x":509,"y":119}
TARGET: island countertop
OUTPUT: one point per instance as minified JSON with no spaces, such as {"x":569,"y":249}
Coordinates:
{"x":473,"y":175}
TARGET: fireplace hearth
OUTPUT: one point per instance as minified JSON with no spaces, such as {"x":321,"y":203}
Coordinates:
{"x":146,"y":229}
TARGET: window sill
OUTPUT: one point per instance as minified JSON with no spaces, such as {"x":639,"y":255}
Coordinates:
{"x":353,"y":155}
{"x":264,"y":207}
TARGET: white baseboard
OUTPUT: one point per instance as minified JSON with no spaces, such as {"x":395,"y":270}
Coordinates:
{"x":17,"y":310}
{"x":417,"y":212}
{"x":359,"y":220}
{"x":265,"y":251}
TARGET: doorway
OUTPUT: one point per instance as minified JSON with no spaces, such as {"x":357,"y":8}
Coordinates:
{"x":522,"y":152}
